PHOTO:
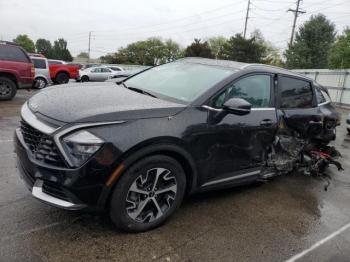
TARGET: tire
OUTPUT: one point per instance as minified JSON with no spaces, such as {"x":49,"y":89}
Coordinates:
{"x":84,"y":79}
{"x":134,"y":190}
{"x":348,"y":130}
{"x":40,"y":83}
{"x":8,"y":89}
{"x":62,"y":78}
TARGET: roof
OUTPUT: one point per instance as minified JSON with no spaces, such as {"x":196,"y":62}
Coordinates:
{"x":214,"y":62}
{"x":240,"y":66}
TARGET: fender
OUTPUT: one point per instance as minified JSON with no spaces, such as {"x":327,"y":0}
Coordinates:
{"x":166,"y":148}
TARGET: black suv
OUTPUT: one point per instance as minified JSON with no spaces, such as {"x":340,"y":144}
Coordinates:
{"x":136,"y":148}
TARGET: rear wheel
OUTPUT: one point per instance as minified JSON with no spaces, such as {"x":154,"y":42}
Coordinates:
{"x":62,"y":78}
{"x":147,"y":194}
{"x":40,"y":83}
{"x":8,"y":89}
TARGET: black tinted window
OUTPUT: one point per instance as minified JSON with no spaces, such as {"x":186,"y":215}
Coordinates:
{"x":39,"y":63}
{"x":115,"y":68}
{"x":295,"y":93}
{"x":255,"y":89}
{"x":13,"y":53}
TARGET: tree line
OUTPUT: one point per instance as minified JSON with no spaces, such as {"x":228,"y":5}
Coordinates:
{"x":316,"y":45}
{"x":57,"y":50}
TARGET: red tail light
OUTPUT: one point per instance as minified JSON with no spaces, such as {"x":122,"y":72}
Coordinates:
{"x":32,"y":71}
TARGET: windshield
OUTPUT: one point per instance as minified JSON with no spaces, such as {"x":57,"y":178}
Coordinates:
{"x":178,"y":80}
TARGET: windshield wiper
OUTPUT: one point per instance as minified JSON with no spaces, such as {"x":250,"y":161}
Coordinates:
{"x":139,"y":90}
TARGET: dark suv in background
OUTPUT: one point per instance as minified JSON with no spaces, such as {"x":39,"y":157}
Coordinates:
{"x":16,"y":70}
{"x":136,"y":148}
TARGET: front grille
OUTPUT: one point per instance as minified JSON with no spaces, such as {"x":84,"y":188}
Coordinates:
{"x":41,"y":145}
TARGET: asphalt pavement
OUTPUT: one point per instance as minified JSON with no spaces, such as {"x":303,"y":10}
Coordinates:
{"x":290,"y":217}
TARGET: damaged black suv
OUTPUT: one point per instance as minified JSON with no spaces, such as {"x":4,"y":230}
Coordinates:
{"x":136,"y":148}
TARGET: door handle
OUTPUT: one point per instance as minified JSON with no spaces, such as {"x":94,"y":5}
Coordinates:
{"x":266,"y":122}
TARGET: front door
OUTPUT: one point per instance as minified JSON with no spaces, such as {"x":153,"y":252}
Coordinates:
{"x":235,"y":143}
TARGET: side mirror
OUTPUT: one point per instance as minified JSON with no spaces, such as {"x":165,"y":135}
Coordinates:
{"x":237,"y":106}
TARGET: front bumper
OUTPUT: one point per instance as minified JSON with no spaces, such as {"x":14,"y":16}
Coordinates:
{"x":73,"y":189}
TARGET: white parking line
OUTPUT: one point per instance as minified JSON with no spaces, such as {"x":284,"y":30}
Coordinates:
{"x":6,"y":141}
{"x":319,"y":243}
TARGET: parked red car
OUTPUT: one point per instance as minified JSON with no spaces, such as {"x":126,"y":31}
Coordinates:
{"x":16,"y":70}
{"x":61,"y":72}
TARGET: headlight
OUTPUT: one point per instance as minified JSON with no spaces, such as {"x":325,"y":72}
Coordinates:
{"x":80,"y":146}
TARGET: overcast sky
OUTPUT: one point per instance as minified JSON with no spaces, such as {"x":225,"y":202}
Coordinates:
{"x":115,"y":23}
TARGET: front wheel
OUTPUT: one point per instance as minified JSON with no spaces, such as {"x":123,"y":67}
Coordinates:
{"x":147,"y":194}
{"x":8,"y":89}
{"x":84,"y":79}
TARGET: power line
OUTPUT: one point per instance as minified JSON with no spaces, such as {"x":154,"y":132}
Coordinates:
{"x":296,"y":14}
{"x":168,"y":22}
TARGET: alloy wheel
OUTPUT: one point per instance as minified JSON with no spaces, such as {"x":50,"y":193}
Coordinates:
{"x":151,"y":195}
{"x":5,"y":89}
{"x":41,"y":83}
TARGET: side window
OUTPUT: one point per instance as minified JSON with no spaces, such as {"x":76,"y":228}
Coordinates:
{"x":13,"y":53}
{"x":319,"y":96}
{"x":294,"y":93}
{"x":39,"y":63}
{"x":96,"y":70}
{"x":256,"y":89}
{"x":106,"y":70}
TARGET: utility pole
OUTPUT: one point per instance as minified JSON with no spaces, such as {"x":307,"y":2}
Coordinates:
{"x":296,"y":13}
{"x":89,"y":48}
{"x":246,"y":19}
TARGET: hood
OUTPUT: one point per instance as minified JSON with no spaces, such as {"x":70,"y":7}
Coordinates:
{"x":98,"y":102}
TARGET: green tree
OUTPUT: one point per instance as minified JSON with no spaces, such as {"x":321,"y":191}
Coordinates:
{"x":271,"y":54}
{"x":172,"y":51}
{"x":312,"y":44}
{"x":109,"y":59}
{"x":25,"y":42}
{"x":239,"y":49}
{"x":44,"y":47}
{"x":197,"y":48}
{"x":217,"y":44}
{"x":83,"y":55}
{"x":60,"y":51}
{"x":339,"y":55}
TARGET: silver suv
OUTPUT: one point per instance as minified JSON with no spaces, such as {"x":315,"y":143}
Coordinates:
{"x":42,"y":72}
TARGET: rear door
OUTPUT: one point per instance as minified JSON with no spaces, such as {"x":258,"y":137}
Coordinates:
{"x":236,"y":144}
{"x":298,"y":105}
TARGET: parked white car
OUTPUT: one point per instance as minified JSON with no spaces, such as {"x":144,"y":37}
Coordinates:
{"x":42,"y":72}
{"x":99,"y":74}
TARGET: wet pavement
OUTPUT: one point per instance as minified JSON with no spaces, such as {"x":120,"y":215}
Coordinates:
{"x":262,"y":222}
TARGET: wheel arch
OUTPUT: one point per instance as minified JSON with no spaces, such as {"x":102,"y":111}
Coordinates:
{"x":11,"y":76}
